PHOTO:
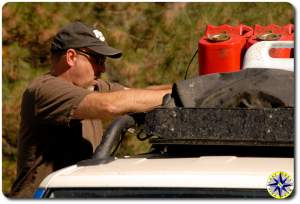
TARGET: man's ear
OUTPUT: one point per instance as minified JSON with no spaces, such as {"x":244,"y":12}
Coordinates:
{"x":71,"y":57}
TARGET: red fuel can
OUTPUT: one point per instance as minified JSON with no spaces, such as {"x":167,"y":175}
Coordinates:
{"x":222,"y":48}
{"x":273,"y":32}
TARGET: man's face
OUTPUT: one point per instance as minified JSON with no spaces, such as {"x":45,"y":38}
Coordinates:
{"x":87,"y":67}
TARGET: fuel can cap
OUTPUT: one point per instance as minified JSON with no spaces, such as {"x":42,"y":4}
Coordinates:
{"x":268,"y":36}
{"x":219,"y":37}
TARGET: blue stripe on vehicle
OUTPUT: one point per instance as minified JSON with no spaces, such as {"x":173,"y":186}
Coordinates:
{"x":39,"y":193}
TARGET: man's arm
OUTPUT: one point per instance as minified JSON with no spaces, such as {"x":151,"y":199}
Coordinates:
{"x":160,"y":87}
{"x":108,"y":105}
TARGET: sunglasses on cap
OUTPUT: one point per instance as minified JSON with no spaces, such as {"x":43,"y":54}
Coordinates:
{"x":99,"y":59}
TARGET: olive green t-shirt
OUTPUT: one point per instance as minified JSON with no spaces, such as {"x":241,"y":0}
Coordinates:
{"x":49,"y":137}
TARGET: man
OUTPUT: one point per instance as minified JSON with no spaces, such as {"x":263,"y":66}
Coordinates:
{"x":53,"y":132}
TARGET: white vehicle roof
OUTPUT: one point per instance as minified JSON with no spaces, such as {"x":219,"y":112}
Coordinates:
{"x":200,"y":172}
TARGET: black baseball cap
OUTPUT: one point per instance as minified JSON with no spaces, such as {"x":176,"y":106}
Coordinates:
{"x":78,"y":35}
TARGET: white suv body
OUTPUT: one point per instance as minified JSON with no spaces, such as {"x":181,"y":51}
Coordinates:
{"x":125,"y":177}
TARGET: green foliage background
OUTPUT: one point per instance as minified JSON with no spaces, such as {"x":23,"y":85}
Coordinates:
{"x":157,"y":39}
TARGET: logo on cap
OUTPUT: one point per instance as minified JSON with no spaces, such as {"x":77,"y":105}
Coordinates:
{"x":99,"y":35}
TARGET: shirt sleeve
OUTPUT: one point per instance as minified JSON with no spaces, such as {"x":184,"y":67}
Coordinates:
{"x":104,"y":86}
{"x":55,"y":99}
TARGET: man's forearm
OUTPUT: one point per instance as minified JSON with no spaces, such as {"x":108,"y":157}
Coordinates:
{"x":108,"y":105}
{"x":160,"y":87}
